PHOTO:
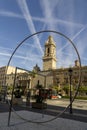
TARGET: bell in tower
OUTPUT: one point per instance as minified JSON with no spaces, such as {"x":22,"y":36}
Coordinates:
{"x":49,"y":59}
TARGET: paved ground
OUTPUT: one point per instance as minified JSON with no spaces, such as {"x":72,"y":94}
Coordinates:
{"x":77,"y":104}
{"x":64,"y":123}
{"x":17,"y":123}
{"x":78,"y":114}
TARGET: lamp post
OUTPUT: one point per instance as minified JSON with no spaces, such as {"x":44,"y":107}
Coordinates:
{"x":57,"y":81}
{"x":70,"y":78}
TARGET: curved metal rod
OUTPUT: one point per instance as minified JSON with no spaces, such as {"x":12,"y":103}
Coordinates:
{"x":79,"y":82}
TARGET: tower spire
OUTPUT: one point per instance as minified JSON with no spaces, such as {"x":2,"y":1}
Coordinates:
{"x":50,"y":41}
{"x":49,"y":59}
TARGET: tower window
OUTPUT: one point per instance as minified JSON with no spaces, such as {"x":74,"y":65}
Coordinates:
{"x":48,"y":51}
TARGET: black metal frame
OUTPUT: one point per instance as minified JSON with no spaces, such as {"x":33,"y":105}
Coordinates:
{"x":70,"y":78}
{"x":11,"y":102}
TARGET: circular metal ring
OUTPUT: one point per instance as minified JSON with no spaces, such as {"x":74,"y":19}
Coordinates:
{"x":79,"y":81}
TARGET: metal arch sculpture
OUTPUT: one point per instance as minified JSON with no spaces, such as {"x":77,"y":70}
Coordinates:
{"x":59,"y":33}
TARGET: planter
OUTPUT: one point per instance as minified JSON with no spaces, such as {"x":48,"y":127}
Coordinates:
{"x":39,"y":105}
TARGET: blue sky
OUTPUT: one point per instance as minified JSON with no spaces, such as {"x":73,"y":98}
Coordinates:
{"x":21,"y":18}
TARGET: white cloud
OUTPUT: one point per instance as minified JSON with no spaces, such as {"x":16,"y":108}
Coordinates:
{"x":48,"y":13}
{"x":79,"y":47}
{"x":4,"y":54}
{"x":10,"y":14}
{"x":50,"y":21}
{"x":28,"y":18}
{"x":7,"y":13}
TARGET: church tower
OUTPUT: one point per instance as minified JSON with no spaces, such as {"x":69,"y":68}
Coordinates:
{"x":49,"y":58}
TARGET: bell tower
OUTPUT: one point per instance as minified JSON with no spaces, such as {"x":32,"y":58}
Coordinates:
{"x":49,"y":58}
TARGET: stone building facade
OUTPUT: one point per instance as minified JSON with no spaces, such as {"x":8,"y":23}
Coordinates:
{"x":5,"y":71}
{"x":50,"y":75}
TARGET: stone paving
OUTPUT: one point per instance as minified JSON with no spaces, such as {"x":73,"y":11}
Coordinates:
{"x":17,"y":123}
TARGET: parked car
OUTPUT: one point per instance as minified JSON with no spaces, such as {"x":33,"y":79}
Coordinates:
{"x":59,"y":96}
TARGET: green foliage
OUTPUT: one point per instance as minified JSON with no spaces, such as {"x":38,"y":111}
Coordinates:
{"x":77,"y":97}
{"x":83,"y":89}
{"x":9,"y":89}
{"x":57,"y":88}
{"x":82,"y":97}
{"x":66,"y":88}
{"x":18,"y":92}
{"x":39,"y":98}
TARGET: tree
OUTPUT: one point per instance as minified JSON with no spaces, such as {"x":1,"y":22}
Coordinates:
{"x":9,"y":90}
{"x":18,"y":92}
{"x":83,"y":90}
{"x":66,"y":89}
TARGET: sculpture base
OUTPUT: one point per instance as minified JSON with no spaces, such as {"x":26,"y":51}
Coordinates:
{"x":17,"y":101}
{"x":39,"y":105}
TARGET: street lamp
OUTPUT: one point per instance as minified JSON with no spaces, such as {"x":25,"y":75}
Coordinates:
{"x":70,"y":78}
{"x":57,"y":81}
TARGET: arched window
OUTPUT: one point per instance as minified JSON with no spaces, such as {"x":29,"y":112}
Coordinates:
{"x":48,"y":51}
